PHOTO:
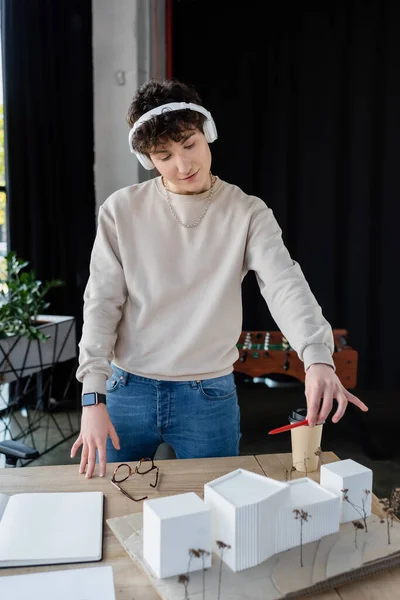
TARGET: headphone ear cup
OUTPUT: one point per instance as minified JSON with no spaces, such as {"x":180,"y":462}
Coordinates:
{"x":144,"y":161}
{"x":210,"y":130}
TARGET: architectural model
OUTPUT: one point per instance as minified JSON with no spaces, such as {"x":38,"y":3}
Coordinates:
{"x":256,"y":516}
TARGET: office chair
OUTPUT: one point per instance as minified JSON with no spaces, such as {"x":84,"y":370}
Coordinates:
{"x":14,"y":450}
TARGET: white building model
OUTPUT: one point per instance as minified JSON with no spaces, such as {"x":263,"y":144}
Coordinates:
{"x":254,"y":515}
{"x":171,"y":527}
{"x":356,"y":480}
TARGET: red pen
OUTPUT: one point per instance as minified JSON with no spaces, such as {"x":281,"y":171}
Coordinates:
{"x":288,"y":427}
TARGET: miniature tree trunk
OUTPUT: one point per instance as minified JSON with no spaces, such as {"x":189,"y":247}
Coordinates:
{"x":302,"y":516}
{"x":357,"y":525}
{"x":389,"y":507}
{"x":318,"y":453}
{"x":301,"y":542}
{"x":222,"y":549}
{"x":184,"y":579}
{"x":203,"y":554}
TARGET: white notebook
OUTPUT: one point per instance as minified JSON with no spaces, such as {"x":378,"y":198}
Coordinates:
{"x":51,"y":528}
{"x":94,"y":583}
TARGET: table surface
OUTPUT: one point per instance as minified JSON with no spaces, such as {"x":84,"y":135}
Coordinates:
{"x":176,"y":476}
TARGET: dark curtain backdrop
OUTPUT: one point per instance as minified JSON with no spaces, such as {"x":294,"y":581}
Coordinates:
{"x":48,"y":101}
{"x":307,"y":105}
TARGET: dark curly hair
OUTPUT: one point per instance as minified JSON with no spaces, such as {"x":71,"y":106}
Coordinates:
{"x":171,"y":125}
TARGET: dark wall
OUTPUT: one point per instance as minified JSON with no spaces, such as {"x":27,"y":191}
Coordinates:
{"x":306,"y":104}
{"x":48,"y":102}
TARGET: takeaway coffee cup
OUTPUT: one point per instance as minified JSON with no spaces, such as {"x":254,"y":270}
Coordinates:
{"x":305,"y":442}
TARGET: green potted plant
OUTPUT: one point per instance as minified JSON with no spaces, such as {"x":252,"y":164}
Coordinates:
{"x":22,"y":300}
{"x":25,"y":332}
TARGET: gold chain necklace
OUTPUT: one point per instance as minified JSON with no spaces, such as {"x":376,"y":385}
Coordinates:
{"x":171,"y":208}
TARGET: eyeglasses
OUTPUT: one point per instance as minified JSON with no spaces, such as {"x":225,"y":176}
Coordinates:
{"x":124,"y":471}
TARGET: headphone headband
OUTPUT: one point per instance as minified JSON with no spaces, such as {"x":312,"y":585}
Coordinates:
{"x":209,"y":128}
{"x":169,"y":107}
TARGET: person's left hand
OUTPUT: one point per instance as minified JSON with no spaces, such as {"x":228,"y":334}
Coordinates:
{"x":322,"y":383}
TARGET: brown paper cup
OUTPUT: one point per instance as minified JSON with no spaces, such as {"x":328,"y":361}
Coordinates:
{"x":305,"y":442}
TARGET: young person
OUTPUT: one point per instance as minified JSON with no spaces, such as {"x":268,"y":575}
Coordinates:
{"x":162,"y":307}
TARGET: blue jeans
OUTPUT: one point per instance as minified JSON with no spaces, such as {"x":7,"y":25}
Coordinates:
{"x":197,"y":418}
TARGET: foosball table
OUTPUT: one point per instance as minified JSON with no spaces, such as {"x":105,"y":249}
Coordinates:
{"x":263,"y":353}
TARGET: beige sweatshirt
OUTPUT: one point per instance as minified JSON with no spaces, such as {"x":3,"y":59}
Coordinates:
{"x":164,"y":301}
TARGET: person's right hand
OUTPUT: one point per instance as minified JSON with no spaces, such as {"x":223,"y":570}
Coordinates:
{"x":95,"y":427}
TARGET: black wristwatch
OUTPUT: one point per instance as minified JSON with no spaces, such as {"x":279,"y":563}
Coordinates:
{"x":93,"y":398}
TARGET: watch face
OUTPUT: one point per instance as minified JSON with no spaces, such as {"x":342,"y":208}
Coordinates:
{"x":89,"y":399}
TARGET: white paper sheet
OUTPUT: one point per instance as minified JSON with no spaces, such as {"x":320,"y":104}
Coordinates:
{"x":80,"y":584}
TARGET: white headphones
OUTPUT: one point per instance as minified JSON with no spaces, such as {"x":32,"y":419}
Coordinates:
{"x":209,"y":128}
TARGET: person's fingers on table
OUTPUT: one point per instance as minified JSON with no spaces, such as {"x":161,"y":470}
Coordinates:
{"x":102,"y":460}
{"x":114,"y":437}
{"x":84,"y":458}
{"x":327,"y":404}
{"x":91,"y":459}
{"x":313,"y":395}
{"x":356,"y":401}
{"x":76,"y":446}
{"x":342,"y":406}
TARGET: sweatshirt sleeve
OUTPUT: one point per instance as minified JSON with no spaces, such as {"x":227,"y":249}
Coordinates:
{"x":286,"y":291}
{"x":104,"y":297}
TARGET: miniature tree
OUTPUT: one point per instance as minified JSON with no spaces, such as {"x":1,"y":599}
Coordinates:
{"x":288,"y":473}
{"x":395,"y":500}
{"x":388,"y":515}
{"x":304,"y":462}
{"x":359,"y":509}
{"x":222,"y":549}
{"x":203,"y":554}
{"x":184,"y":579}
{"x":390,"y":506}
{"x":318,"y":453}
{"x":302,"y":516}
{"x":357,"y":525}
{"x":363,"y":502}
{"x":200,"y":553}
